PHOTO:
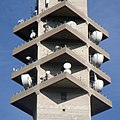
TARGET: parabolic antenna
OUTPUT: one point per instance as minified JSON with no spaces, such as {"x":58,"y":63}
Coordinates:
{"x":47,"y":1}
{"x":28,"y":58}
{"x":97,"y":59}
{"x":67,"y":67}
{"x":96,"y":36}
{"x":57,"y":47}
{"x":72,"y":24}
{"x":98,"y":84}
{"x":26,"y":80}
{"x":47,"y":72}
{"x":33,"y":34}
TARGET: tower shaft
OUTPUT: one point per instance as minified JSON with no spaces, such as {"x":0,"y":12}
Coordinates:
{"x":62,"y":63}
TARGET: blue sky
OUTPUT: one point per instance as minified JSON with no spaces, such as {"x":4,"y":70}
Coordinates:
{"x":104,"y":12}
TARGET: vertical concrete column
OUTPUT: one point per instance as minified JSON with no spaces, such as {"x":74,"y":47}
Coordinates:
{"x":39,"y":47}
{"x":40,"y":71}
{"x":89,"y":97}
{"x":88,"y":82}
{"x":37,"y":105}
{"x":35,"y":112}
{"x":81,"y":5}
{"x":87,"y":46}
{"x":39,"y":6}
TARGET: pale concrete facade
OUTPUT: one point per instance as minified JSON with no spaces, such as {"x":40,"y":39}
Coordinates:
{"x":44,"y":100}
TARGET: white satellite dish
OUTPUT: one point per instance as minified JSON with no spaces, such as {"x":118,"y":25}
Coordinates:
{"x":28,"y":58}
{"x":47,"y":1}
{"x":72,"y":24}
{"x":98,"y":84}
{"x":96,"y":36}
{"x":57,"y":47}
{"x":26,"y":80}
{"x":33,"y":34}
{"x":97,"y":59}
{"x":67,"y":67}
{"x":47,"y":75}
{"x":13,"y":69}
{"x":20,"y":21}
{"x":35,"y":12}
{"x":47,"y":72}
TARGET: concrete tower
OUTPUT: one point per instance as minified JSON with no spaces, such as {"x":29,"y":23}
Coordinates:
{"x":62,"y":57}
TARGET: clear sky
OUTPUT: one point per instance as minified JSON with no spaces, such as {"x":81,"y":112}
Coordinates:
{"x":104,"y":12}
